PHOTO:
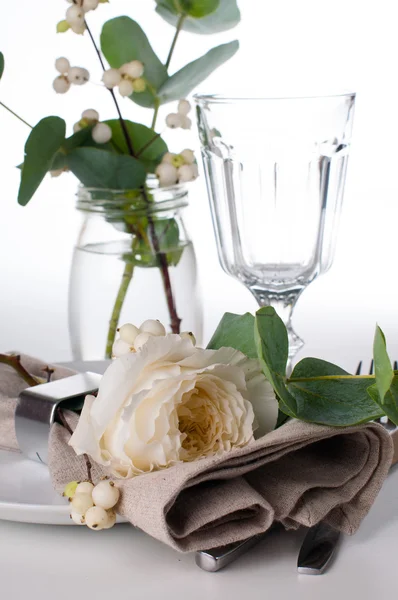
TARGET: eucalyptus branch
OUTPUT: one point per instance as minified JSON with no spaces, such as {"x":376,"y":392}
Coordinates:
{"x":15,"y":115}
{"x":14,"y":361}
{"x":177,"y":33}
{"x":155,"y":113}
{"x":65,"y":424}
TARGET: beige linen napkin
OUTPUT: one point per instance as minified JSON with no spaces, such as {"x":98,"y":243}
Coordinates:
{"x":297,"y":475}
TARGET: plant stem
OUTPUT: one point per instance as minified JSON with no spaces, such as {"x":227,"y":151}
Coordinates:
{"x":68,"y":428}
{"x":14,"y":361}
{"x":155,"y":114}
{"x":174,"y":319}
{"x":164,"y":270}
{"x":177,"y":33}
{"x":113,"y":323}
{"x":122,"y":121}
{"x":15,"y":115}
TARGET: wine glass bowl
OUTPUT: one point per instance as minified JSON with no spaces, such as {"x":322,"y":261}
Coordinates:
{"x":275,"y":171}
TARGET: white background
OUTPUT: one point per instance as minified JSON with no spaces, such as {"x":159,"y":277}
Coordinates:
{"x":285,"y":45}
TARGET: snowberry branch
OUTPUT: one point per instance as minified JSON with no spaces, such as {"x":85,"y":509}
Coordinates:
{"x":14,"y":361}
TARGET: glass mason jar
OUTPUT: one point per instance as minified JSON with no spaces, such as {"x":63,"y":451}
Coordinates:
{"x":133,"y":261}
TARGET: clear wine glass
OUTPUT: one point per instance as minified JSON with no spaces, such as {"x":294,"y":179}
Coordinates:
{"x":275,"y":171}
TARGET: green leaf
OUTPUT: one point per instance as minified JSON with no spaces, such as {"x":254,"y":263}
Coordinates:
{"x":1,"y":64}
{"x":41,"y":146}
{"x":328,"y":395}
{"x":225,"y":17}
{"x":123,"y":40}
{"x":235,"y":331}
{"x":168,"y":236}
{"x":139,"y":136}
{"x":272,"y":349}
{"x":389,"y":404}
{"x":274,"y":341}
{"x":383,"y":369}
{"x":184,"y":81}
{"x":103,"y":169}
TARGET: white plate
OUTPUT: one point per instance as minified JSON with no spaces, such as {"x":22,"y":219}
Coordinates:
{"x":26,"y":493}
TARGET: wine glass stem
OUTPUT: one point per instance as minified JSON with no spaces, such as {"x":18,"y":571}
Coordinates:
{"x":283,"y":303}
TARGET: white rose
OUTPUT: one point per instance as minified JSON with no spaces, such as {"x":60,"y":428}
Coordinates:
{"x":172,"y":402}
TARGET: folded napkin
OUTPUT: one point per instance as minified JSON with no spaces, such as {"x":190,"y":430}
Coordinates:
{"x":297,"y":475}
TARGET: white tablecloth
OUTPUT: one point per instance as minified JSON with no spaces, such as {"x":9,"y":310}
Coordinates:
{"x":46,"y":562}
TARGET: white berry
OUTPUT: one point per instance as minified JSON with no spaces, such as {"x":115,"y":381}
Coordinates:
{"x":78,"y":75}
{"x":188,"y":156}
{"x":85,"y":487}
{"x":186,"y":122}
{"x":111,"y":77}
{"x":77,"y":518}
{"x":90,"y":5}
{"x":101,"y":133}
{"x":96,"y":518}
{"x":188,"y":335}
{"x":77,"y":127}
{"x":167,"y":174}
{"x":168,"y":158}
{"x":90,"y":115}
{"x":141,"y":340}
{"x":61,"y":84}
{"x":186,"y":173}
{"x":79,"y":27}
{"x":126,"y":87}
{"x":81,"y":503}
{"x":62,"y":65}
{"x":106,"y":494}
{"x":153,"y":327}
{"x":184,"y":107}
{"x":133,"y":69}
{"x":74,"y":15}
{"x":111,"y":519}
{"x":174,"y":120}
{"x":128,"y":332}
{"x":120,"y":348}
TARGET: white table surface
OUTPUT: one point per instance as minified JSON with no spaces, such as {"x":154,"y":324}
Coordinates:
{"x":73,"y":563}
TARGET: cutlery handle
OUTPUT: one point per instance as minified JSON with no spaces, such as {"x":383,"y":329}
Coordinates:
{"x":317,"y":549}
{"x":218,"y":558}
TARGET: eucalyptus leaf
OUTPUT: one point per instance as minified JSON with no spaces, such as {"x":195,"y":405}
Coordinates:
{"x":193,"y":8}
{"x":103,"y":169}
{"x":1,"y":64}
{"x":235,"y":331}
{"x":168,"y":236}
{"x":272,"y":350}
{"x":383,"y":369}
{"x":389,"y":404}
{"x":225,"y":17}
{"x":328,"y":395}
{"x":140,"y":136}
{"x":79,"y":139}
{"x":184,"y":81}
{"x":123,"y":40}
{"x":44,"y":141}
